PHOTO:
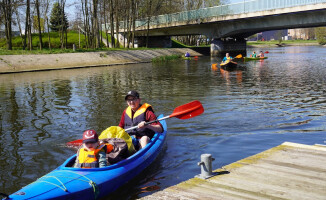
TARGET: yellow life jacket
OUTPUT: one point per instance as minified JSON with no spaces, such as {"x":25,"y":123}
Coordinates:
{"x":89,"y":159}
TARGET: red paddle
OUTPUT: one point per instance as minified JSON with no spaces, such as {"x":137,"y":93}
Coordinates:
{"x":185,"y":111}
{"x":266,"y":51}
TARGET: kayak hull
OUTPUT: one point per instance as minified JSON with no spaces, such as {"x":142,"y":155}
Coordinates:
{"x":250,"y":58}
{"x":66,"y":182}
{"x":229,"y":65}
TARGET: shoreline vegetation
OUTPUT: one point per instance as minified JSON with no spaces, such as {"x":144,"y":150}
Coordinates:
{"x":18,"y":60}
{"x":274,"y":43}
{"x":75,"y":39}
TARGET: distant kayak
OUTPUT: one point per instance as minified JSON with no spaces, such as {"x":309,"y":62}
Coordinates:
{"x":250,"y":58}
{"x":229,"y":65}
{"x":186,"y":58}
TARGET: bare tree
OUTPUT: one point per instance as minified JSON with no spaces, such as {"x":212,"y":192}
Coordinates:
{"x":28,"y":27}
{"x":95,"y":25}
{"x":47,"y":22}
{"x":63,"y":28}
{"x":19,"y":23}
{"x":86,"y":22}
{"x":105,"y":22}
{"x":111,"y":8}
{"x":117,"y":20}
{"x":37,"y":4}
{"x":7,"y":11}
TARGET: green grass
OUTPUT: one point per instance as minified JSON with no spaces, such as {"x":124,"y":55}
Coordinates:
{"x":177,"y":44}
{"x":274,"y":42}
{"x":166,"y":58}
{"x":73,"y":38}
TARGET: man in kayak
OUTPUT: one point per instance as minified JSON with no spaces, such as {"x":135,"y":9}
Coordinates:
{"x":92,"y":154}
{"x":261,"y":54}
{"x":137,"y":114}
{"x":227,"y":58}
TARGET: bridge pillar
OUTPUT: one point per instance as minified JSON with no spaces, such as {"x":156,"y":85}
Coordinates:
{"x":154,"y":41}
{"x":222,"y":46}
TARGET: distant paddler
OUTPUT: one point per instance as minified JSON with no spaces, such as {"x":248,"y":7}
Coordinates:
{"x":227,"y":58}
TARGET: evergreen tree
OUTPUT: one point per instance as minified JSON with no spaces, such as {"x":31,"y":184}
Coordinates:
{"x":56,"y":18}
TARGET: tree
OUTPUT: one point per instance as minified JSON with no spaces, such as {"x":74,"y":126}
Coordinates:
{"x":47,"y":22}
{"x":95,"y":25}
{"x":111,"y":10}
{"x":7,"y":11}
{"x":321,"y":35}
{"x":28,"y":29}
{"x":279,"y":35}
{"x":37,"y":4}
{"x":58,"y":19}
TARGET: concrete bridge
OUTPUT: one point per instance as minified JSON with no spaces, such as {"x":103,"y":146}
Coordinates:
{"x":229,"y":25}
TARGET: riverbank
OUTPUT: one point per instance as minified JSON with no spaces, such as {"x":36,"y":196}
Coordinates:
{"x":42,"y":62}
{"x":275,"y":44}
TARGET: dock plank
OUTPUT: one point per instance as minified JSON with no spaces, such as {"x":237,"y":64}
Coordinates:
{"x":288,"y":171}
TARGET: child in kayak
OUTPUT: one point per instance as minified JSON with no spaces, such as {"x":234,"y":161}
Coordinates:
{"x":92,"y":154}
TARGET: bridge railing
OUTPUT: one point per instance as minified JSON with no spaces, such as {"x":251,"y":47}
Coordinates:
{"x":223,"y":10}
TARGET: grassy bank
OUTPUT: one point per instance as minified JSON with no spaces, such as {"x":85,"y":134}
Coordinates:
{"x":166,"y":58}
{"x":289,"y":42}
{"x":73,"y":38}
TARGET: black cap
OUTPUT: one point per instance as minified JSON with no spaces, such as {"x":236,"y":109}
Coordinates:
{"x":132,"y":93}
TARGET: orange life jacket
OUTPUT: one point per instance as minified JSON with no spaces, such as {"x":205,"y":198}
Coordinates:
{"x":89,"y":159}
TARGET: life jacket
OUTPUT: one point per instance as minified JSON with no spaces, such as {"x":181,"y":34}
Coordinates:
{"x":89,"y":159}
{"x":139,"y":116}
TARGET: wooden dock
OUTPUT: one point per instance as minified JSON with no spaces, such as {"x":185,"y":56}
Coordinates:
{"x":288,"y":171}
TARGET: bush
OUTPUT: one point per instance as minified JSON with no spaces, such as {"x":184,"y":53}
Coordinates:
{"x":321,"y":35}
{"x":166,"y":58}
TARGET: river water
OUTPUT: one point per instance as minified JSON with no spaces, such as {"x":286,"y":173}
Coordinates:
{"x":247,"y":111}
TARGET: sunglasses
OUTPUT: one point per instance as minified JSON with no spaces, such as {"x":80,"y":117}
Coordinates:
{"x":130,"y":100}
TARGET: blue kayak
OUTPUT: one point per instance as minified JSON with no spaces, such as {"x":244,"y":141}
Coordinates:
{"x":66,"y":182}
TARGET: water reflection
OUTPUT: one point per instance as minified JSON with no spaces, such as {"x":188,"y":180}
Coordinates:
{"x":278,"y":99}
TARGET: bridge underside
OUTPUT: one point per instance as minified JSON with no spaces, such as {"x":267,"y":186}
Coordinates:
{"x":240,"y":27}
{"x":243,"y":25}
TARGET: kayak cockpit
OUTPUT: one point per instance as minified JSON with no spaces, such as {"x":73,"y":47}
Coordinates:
{"x":69,"y":163}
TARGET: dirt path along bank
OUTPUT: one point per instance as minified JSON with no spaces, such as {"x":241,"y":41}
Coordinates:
{"x":41,"y":62}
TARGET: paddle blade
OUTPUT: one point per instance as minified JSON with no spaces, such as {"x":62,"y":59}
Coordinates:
{"x":266,"y":51}
{"x":188,"y":110}
{"x":75,"y":143}
{"x":238,"y":56}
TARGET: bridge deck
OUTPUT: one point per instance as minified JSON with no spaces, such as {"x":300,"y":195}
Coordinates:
{"x":288,"y":171}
